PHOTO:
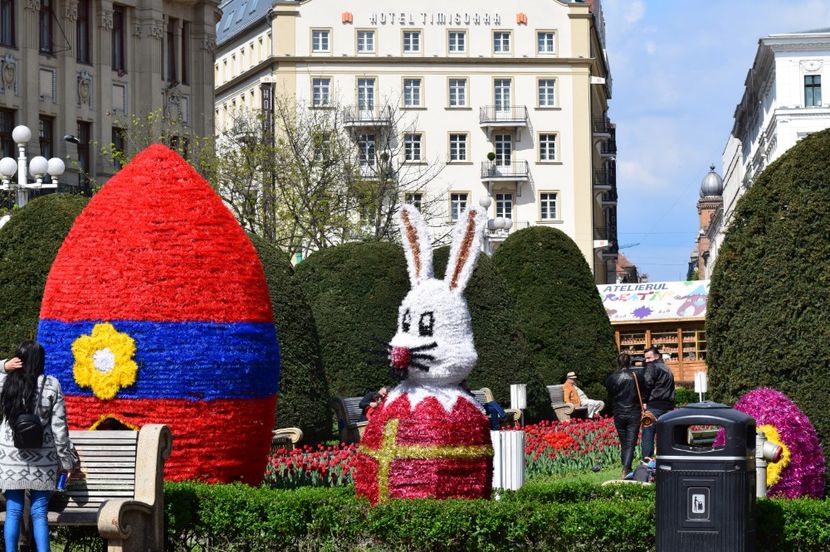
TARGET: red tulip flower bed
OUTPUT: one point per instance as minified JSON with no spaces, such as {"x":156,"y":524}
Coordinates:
{"x":556,"y":448}
{"x":311,"y":466}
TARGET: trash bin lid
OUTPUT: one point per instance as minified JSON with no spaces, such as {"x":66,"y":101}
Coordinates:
{"x":706,"y":405}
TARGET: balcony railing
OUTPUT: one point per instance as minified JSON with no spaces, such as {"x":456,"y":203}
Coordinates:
{"x":602,"y":180}
{"x":517,"y":170}
{"x":375,"y":117}
{"x":602,"y":126}
{"x":509,"y":116}
{"x":608,"y":148}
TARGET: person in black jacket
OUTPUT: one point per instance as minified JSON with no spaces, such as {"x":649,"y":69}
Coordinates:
{"x":626,"y":408}
{"x":660,"y":399}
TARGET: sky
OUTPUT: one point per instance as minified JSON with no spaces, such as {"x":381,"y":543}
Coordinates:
{"x":678,"y":68}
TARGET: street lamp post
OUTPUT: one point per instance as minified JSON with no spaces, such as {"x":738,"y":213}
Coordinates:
{"x":493,"y":225}
{"x":38,"y":167}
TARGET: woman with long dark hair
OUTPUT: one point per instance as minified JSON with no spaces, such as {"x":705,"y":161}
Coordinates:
{"x":626,"y":408}
{"x":36,"y":469}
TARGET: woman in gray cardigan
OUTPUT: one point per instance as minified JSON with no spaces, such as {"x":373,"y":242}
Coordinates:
{"x":35,"y":469}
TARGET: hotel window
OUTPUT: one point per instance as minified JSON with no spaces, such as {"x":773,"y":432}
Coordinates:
{"x":7,"y":23}
{"x":365,"y":42}
{"x":320,"y":41}
{"x":186,"y":51}
{"x":412,"y":142}
{"x":322,"y":146}
{"x":172,"y":23}
{"x":504,"y":205}
{"x":502,"y":89}
{"x":6,"y":126}
{"x":458,"y":92}
{"x":118,"y":27}
{"x":366,"y":149}
{"x":547,"y":93}
{"x":812,"y":90}
{"x":548,"y":205}
{"x":84,"y":155}
{"x":458,"y":147}
{"x":366,"y":94}
{"x":45,"y":18}
{"x":457,"y":42}
{"x":547,"y":147}
{"x":414,"y":200}
{"x":501,"y":42}
{"x":82,"y":51}
{"x":412,"y":92}
{"x":458,"y":202}
{"x":546,"y":42}
{"x":46,"y":135}
{"x":320,"y":88}
{"x":411,"y":42}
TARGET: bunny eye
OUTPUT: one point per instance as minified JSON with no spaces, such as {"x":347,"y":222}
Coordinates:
{"x":406,"y":321}
{"x":425,"y":324}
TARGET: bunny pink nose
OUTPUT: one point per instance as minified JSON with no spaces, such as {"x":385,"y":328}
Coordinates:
{"x":400,"y":357}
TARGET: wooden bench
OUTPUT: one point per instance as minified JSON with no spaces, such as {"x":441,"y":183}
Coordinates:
{"x":348,"y":414}
{"x":485,"y":395}
{"x":121,"y":487}
{"x":564,"y":410}
{"x":286,"y":438}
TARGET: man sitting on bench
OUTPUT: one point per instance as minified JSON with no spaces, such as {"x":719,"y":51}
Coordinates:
{"x":577,"y":396}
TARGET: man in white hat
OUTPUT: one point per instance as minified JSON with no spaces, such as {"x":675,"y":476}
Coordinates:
{"x":577,"y":396}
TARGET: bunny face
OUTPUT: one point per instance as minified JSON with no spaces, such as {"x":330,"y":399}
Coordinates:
{"x":434,"y":341}
{"x":434,"y":329}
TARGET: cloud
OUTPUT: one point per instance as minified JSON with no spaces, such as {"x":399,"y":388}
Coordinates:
{"x":651,"y":48}
{"x":634,"y":11}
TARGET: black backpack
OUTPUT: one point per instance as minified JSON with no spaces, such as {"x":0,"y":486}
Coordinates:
{"x":27,"y":429}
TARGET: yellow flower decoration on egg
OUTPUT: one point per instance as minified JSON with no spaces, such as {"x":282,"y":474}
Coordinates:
{"x":104,"y":361}
{"x":774,"y":469}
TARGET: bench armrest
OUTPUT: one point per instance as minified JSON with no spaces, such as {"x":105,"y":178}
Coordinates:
{"x":119,"y":519}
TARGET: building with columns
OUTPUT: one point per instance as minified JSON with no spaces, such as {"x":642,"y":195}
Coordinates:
{"x":510,"y":102}
{"x":782,"y":103}
{"x":78,"y":67}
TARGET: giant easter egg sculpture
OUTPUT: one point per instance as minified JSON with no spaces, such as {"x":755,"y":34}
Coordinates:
{"x":156,"y":311}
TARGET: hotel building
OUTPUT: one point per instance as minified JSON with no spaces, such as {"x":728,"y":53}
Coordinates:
{"x":510,"y":102}
{"x":782,"y":103}
{"x":78,"y":67}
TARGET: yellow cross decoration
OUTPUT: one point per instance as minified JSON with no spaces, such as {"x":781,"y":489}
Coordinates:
{"x":389,"y":451}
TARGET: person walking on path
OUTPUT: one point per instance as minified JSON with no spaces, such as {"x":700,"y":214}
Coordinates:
{"x":626,"y":408}
{"x":22,"y":382}
{"x":660,"y":399}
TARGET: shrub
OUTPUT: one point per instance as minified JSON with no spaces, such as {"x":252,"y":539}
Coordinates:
{"x":354,"y":291}
{"x":29,"y":243}
{"x":502,"y":350}
{"x":560,"y":311}
{"x":767,"y":321}
{"x":303,"y":400}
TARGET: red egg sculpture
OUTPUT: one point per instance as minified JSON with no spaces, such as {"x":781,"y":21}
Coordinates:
{"x":156,"y":311}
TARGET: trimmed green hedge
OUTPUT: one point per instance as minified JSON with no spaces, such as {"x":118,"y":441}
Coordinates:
{"x":554,"y":516}
{"x":560,"y":311}
{"x":354,"y":291}
{"x":768,"y":322}
{"x":304,"y":394}
{"x":502,"y":350}
{"x":29,"y":243}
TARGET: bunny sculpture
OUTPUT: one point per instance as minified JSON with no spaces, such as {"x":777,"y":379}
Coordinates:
{"x":430,"y":438}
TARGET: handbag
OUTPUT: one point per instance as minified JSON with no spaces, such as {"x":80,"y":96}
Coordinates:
{"x":27,"y":429}
{"x":647,"y":417}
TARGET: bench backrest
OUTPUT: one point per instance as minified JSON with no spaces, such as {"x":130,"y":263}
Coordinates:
{"x":483,"y":395}
{"x":557,"y":394}
{"x":348,"y":409}
{"x":108,"y":461}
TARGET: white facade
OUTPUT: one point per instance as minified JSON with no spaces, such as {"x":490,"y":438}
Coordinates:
{"x":782,"y":103}
{"x":466,"y":80}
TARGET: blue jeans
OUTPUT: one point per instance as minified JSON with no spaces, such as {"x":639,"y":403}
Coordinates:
{"x":495,"y":413}
{"x":648,"y":434}
{"x":14,"y":513}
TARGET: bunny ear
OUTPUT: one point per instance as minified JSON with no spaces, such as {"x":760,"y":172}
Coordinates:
{"x":417,"y":244}
{"x":466,"y":246}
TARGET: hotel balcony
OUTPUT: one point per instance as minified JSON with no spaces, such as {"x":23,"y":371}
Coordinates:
{"x":515,"y":171}
{"x":367,"y":118}
{"x":601,"y":128}
{"x":514,"y":116}
{"x":602,"y":181}
{"x":608,"y":149}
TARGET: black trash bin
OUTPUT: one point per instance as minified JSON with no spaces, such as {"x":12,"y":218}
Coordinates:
{"x":705,"y":493}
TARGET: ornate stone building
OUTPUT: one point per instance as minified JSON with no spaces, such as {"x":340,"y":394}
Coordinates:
{"x":83,"y":67}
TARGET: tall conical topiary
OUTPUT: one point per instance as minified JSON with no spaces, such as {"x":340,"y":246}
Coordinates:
{"x":304,"y":395}
{"x":354,"y":291}
{"x":29,"y":243}
{"x":502,"y":350}
{"x":768,"y":317}
{"x":560,"y":312}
